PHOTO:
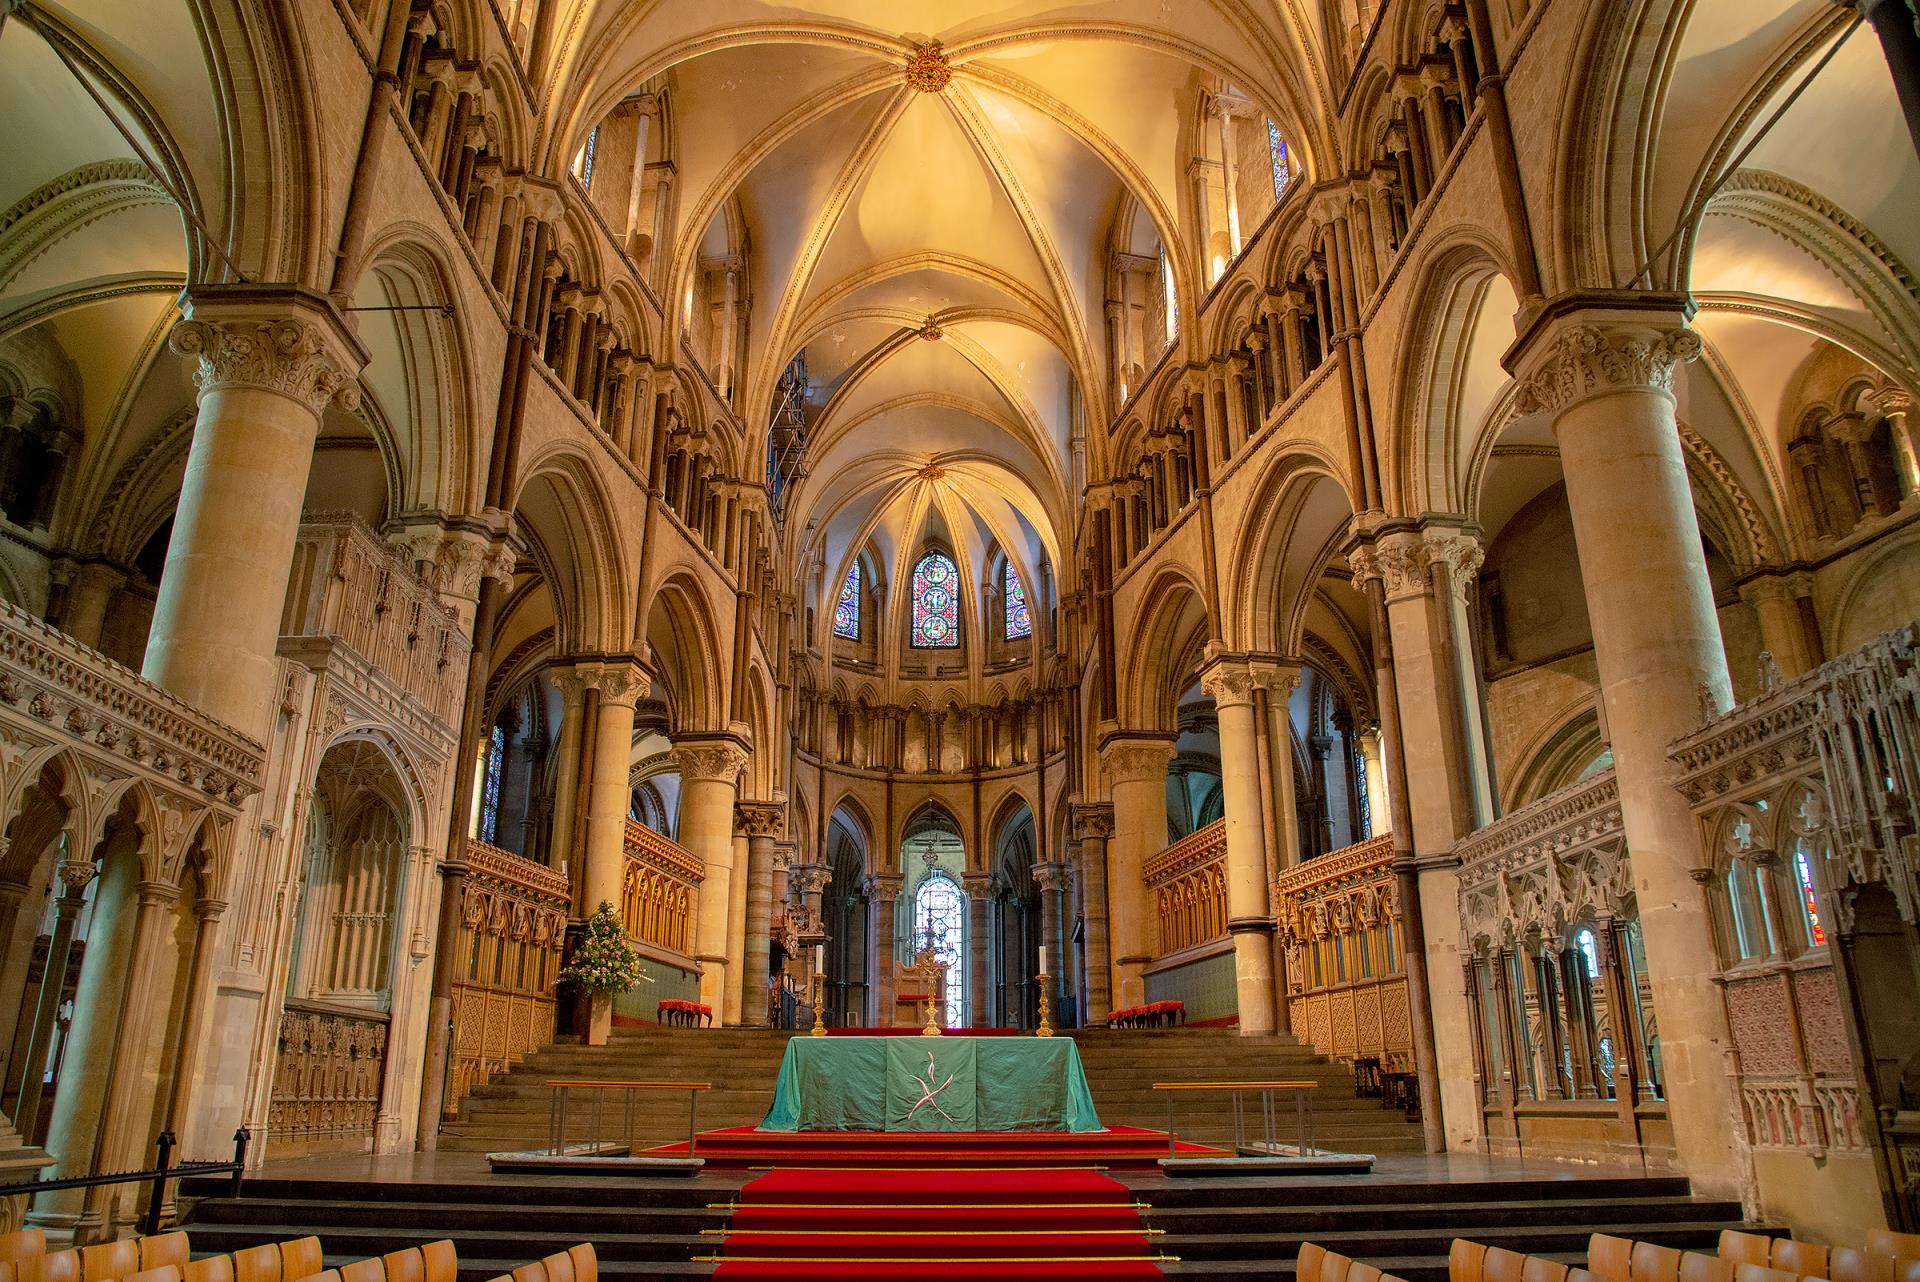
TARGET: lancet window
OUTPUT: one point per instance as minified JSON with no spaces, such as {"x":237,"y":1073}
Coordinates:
{"x":846,"y":611}
{"x":1019,"y":621}
{"x":936,"y":603}
{"x":938,"y":913}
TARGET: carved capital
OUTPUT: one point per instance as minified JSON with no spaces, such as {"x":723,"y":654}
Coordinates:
{"x":74,"y":874}
{"x":1136,"y":760}
{"x":884,"y":887}
{"x":1052,"y":877}
{"x":1228,"y":682}
{"x":809,"y":879}
{"x":1460,"y":552}
{"x":283,"y":341}
{"x":620,"y":684}
{"x":717,"y":760}
{"x":1587,"y":360}
{"x":760,"y":818}
{"x":1092,"y":822}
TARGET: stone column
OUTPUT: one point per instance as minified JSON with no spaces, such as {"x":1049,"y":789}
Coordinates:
{"x":74,"y":874}
{"x":573,"y":693}
{"x":86,"y":1070}
{"x":1776,"y":607}
{"x":882,"y":890}
{"x":1092,"y":826}
{"x":709,"y":765}
{"x":268,"y":362}
{"x":1604,"y":368}
{"x":1053,"y":879}
{"x":979,"y":888}
{"x":1136,"y":769}
{"x":608,"y":796}
{"x":127,"y":1106}
{"x":1430,"y":677}
{"x":1894,"y":22}
{"x":762,"y":821}
{"x":88,"y":597}
{"x":1249,"y":902}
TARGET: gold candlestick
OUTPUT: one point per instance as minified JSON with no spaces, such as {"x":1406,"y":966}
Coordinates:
{"x":1046,"y":1026}
{"x":819,"y":1024}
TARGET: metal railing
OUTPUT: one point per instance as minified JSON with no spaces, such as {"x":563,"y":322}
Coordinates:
{"x":163,"y":1171}
{"x":1269,"y":1146}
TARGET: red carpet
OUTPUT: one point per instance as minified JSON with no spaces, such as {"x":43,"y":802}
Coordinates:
{"x":1119,"y":1147}
{"x":977,"y":1224}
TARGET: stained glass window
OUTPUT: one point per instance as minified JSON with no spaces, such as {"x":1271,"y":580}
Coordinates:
{"x":1810,"y":906}
{"x":939,"y":914}
{"x":846,"y":611}
{"x":1365,"y":806}
{"x":586,"y":156}
{"x":1172,"y":303}
{"x":1019,"y":622}
{"x":936,"y":603}
{"x":490,"y":788}
{"x":1589,"y":951}
{"x":1277,"y":152}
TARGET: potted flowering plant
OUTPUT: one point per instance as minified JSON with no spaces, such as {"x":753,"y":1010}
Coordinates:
{"x":603,"y":963}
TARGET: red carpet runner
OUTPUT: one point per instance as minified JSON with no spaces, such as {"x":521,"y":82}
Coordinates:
{"x":977,"y":1224}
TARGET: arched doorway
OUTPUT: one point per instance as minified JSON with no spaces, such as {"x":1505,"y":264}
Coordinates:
{"x":1014,"y":920}
{"x":329,"y":1076}
{"x":933,"y":860}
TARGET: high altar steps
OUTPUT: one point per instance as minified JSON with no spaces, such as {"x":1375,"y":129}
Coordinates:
{"x":512,"y":1111}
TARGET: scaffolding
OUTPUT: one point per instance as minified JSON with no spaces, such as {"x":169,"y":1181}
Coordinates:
{"x":787,"y":434}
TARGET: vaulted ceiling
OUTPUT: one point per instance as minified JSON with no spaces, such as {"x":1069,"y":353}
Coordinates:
{"x":936,"y":244}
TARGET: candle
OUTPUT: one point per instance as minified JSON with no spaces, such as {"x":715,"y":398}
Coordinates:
{"x":1043,"y":959}
{"x":819,"y":959}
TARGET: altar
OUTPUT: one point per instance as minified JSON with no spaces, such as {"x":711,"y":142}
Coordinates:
{"x":948,"y":1083}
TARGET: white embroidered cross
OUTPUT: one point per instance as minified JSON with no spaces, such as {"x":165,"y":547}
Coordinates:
{"x":928,"y":1091}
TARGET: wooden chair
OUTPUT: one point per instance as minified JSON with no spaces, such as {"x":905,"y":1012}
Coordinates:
{"x":535,"y":1272}
{"x":257,"y":1263}
{"x":1655,"y":1263}
{"x":22,"y":1243}
{"x":327,"y":1275}
{"x":586,"y":1264}
{"x":1847,"y":1264}
{"x":371,"y":1269}
{"x":1738,"y":1248}
{"x":164,"y":1273}
{"x":215,"y":1268}
{"x":1504,"y":1265}
{"x":1762,"y":1273}
{"x":1306,"y":1265}
{"x":1538,"y":1268}
{"x":1466,"y":1261}
{"x":1807,"y":1259}
{"x":1334,"y":1266}
{"x":404,"y":1265}
{"x":1360,"y":1272}
{"x":1888,"y":1253}
{"x":110,"y":1261}
{"x":163,"y":1249}
{"x":49,"y":1266}
{"x":1610,"y":1257}
{"x":559,"y":1267}
{"x":440,"y":1261}
{"x":1578,"y":1274}
{"x":1697,"y":1266}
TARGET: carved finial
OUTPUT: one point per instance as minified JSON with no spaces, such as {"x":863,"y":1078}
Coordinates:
{"x":1709,"y":702}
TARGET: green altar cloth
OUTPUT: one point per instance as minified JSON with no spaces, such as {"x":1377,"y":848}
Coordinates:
{"x":931,"y":1084}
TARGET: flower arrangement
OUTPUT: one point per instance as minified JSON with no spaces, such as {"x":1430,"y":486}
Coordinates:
{"x":603,"y":961}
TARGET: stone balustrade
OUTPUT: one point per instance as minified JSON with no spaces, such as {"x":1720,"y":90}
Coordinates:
{"x":506,"y":963}
{"x":660,"y":892}
{"x":1339,"y":924}
{"x":350,"y":588}
{"x":1187,"y":883}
